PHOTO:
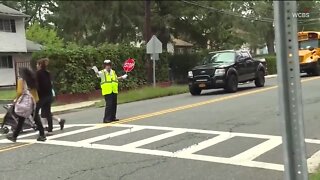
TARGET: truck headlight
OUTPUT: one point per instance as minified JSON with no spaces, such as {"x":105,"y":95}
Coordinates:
{"x":220,"y":72}
{"x":190,"y":74}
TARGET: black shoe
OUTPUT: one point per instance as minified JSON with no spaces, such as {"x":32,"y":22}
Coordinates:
{"x":41,"y":138}
{"x":11,"y":138}
{"x":62,"y":122}
{"x":108,"y":121}
{"x":116,"y":120}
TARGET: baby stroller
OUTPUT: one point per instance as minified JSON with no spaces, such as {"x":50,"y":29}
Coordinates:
{"x":10,"y":119}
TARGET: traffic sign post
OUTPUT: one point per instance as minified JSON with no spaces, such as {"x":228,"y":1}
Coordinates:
{"x":291,"y":111}
{"x":154,"y":47}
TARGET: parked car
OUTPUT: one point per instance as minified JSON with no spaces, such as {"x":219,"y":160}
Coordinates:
{"x":226,"y":69}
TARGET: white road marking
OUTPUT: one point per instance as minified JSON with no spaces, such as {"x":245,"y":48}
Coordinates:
{"x":205,"y":144}
{"x":73,"y":132}
{"x":28,"y":135}
{"x":111,"y":135}
{"x":153,"y":139}
{"x":258,"y":150}
{"x":245,"y":158}
{"x":313,"y":162}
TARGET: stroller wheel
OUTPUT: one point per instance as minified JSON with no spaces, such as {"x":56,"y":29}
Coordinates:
{"x":4,"y":130}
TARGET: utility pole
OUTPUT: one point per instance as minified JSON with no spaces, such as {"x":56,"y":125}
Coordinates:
{"x":290,"y":96}
{"x":147,"y":36}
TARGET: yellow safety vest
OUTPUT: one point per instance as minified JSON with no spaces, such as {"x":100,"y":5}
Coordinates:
{"x":109,"y":84}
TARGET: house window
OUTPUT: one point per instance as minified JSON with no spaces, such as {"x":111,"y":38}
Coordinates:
{"x":6,"y":62}
{"x":8,"y":25}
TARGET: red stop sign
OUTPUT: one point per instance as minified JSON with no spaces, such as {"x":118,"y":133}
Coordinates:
{"x":128,"y":65}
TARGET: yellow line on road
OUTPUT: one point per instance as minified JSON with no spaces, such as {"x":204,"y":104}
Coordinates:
{"x":144,"y":116}
{"x":15,"y":146}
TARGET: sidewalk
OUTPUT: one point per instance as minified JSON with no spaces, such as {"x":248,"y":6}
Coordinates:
{"x":68,"y":107}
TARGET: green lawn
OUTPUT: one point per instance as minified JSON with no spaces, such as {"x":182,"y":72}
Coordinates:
{"x":315,"y":176}
{"x":147,"y":93}
{"x":7,"y":94}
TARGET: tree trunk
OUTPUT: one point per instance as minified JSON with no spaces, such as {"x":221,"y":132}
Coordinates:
{"x":147,"y":36}
{"x":270,"y":40}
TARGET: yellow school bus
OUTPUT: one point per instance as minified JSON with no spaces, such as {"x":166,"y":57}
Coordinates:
{"x":309,"y":52}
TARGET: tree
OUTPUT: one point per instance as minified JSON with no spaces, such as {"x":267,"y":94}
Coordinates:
{"x":205,"y":27}
{"x":35,"y":9}
{"x":311,"y":21}
{"x":44,"y":36}
{"x":257,"y":22}
{"x":95,"y":22}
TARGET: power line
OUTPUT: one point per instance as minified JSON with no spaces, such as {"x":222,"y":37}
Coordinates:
{"x":229,"y":13}
{"x":261,"y":19}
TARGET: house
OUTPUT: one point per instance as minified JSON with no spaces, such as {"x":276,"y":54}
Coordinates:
{"x":15,"y":49}
{"x":179,"y":46}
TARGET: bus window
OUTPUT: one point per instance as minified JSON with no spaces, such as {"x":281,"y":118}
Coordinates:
{"x":312,"y":43}
{"x":313,"y":36}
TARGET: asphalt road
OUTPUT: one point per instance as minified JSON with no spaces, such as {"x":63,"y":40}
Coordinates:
{"x":215,"y":136}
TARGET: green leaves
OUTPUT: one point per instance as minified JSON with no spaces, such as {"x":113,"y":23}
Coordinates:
{"x":43,"y":35}
{"x":71,"y":66}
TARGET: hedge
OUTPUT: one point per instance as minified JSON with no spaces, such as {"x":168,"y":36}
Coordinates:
{"x":71,"y":66}
{"x":180,"y":64}
{"x":271,"y":62}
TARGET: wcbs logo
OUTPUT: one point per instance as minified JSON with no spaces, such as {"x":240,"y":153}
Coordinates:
{"x":304,"y":14}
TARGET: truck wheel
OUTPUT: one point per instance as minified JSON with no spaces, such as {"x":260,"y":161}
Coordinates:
{"x":232,"y":83}
{"x":316,"y":70}
{"x":195,"y":91}
{"x":260,"y":79}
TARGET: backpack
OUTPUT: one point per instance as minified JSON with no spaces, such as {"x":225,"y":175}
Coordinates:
{"x":25,"y":104}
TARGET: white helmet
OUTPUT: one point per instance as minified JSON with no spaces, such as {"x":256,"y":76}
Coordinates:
{"x":107,"y":61}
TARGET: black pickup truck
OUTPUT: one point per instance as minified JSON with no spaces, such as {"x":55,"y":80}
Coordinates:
{"x":226,"y":69}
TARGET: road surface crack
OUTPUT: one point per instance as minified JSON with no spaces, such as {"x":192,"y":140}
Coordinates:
{"x":187,"y":138}
{"x":235,"y":125}
{"x":83,"y":171}
{"x":157,"y":162}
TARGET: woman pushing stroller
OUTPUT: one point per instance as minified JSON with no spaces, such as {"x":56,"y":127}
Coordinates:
{"x":26,"y":82}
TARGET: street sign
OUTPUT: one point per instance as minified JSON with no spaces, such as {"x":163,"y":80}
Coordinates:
{"x":128,"y":65}
{"x":154,"y":46}
{"x":290,"y":104}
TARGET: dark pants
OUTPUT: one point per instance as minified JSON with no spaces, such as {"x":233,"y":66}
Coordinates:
{"x":111,"y":107}
{"x":20,"y":126}
{"x":45,"y":105}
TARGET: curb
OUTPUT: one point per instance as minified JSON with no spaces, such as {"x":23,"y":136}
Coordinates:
{"x":271,"y":76}
{"x":5,"y":101}
{"x":65,"y":108}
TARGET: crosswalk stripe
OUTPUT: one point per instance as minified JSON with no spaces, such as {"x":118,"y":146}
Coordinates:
{"x":205,"y":144}
{"x":73,"y":132}
{"x":153,"y":139}
{"x":107,"y":136}
{"x":258,"y":150}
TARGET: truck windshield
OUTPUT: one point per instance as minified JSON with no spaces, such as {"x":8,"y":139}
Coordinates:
{"x":308,"y":43}
{"x":222,"y":57}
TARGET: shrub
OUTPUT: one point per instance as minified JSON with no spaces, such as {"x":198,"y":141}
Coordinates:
{"x":71,"y":66}
{"x":180,"y":64}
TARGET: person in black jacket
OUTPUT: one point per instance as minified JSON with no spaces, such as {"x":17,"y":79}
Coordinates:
{"x":45,"y":93}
